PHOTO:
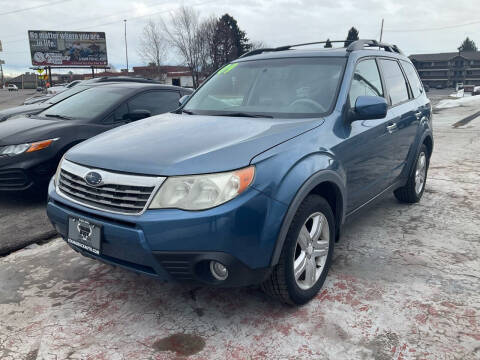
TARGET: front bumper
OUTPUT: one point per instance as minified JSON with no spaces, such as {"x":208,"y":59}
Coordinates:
{"x":22,"y":171}
{"x":172,"y":244}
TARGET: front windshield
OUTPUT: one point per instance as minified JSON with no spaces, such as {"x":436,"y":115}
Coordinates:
{"x":86,"y":105}
{"x":67,"y":93}
{"x":292,"y":87}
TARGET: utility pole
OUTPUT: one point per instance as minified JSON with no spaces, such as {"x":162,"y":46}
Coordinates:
{"x":1,"y":63}
{"x":126,"y":48}
{"x":381,"y":32}
{"x":1,"y":70}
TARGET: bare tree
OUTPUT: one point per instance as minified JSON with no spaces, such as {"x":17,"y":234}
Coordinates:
{"x":183,"y":33}
{"x":208,"y":43}
{"x":153,"y":45}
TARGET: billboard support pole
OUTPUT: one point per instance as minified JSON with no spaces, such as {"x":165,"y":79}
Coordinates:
{"x":93,"y":72}
{"x":50,"y":76}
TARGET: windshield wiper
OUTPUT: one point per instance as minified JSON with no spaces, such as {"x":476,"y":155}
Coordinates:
{"x":59,"y":116}
{"x":243,"y":114}
{"x":187,"y":112}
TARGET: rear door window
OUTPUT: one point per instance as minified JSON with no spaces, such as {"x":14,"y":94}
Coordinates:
{"x":395,"y":81}
{"x":366,"y":81}
{"x":157,"y":102}
{"x":412,"y":76}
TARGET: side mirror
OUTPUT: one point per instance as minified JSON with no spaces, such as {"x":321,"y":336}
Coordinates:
{"x":137,"y":115}
{"x":370,"y":107}
{"x":183,"y":99}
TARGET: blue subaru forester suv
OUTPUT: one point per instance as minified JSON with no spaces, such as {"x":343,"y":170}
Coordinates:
{"x":251,"y":179}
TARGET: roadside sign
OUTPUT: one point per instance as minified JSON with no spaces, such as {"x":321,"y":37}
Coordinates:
{"x":67,"y":48}
{"x":40,"y":71}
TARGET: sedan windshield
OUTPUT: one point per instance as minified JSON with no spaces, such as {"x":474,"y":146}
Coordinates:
{"x":293,"y":87}
{"x":87,"y":104}
{"x":65,"y":94}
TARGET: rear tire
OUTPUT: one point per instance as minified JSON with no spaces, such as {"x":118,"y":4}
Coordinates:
{"x":306,"y":255}
{"x":412,"y":192}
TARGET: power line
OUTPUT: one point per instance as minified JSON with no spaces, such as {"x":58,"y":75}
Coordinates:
{"x":83,"y":21}
{"x":116,"y":21}
{"x":33,"y":7}
{"x":434,"y":28}
{"x":133,"y":18}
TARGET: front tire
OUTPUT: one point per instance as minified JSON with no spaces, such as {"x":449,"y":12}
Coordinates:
{"x":412,"y":192}
{"x":306,"y":255}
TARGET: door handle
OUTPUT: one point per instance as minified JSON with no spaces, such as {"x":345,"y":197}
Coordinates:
{"x":392,"y":127}
{"x":418,"y":114}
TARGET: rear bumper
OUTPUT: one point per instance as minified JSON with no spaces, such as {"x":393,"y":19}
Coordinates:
{"x":172,"y":244}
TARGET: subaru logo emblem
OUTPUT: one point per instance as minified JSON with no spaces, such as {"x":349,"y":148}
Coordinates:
{"x":93,"y":178}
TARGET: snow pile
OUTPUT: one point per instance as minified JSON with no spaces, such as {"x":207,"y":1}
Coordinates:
{"x":465,"y":101}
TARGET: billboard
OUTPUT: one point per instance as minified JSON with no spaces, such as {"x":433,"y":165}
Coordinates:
{"x":64,"y":48}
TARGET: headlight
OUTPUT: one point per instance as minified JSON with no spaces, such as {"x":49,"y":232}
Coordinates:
{"x":12,"y":150}
{"x":57,"y":173}
{"x":199,"y":192}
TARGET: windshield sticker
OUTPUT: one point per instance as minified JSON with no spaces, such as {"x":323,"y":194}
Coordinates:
{"x":228,"y":68}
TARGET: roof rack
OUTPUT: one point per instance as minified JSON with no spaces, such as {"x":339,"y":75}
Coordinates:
{"x":361,"y":44}
{"x":352,"y":46}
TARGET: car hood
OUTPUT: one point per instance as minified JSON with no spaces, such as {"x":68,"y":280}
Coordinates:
{"x":172,"y":144}
{"x":24,"y":109}
{"x":28,"y":129}
{"x":36,"y":99}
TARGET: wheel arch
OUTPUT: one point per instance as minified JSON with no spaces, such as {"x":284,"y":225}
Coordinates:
{"x":326,"y":183}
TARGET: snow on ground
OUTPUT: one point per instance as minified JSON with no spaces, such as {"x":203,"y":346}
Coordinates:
{"x":464,"y":101}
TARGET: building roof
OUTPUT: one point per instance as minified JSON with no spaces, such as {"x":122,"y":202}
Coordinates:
{"x":163,"y":68}
{"x":469,"y":55}
{"x":27,"y":77}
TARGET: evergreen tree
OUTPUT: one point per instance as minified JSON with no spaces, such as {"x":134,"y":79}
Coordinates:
{"x":468,"y":45}
{"x":229,"y":42}
{"x":352,"y":36}
{"x":328,"y":44}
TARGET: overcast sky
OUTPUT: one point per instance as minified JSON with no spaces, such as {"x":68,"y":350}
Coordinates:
{"x":416,"y":26}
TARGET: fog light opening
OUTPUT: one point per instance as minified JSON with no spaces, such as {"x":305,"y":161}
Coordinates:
{"x":218,"y":270}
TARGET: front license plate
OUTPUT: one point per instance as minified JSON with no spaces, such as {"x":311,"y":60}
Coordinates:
{"x":84,"y":234}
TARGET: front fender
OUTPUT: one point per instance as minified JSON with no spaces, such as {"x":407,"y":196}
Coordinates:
{"x":286,"y":176}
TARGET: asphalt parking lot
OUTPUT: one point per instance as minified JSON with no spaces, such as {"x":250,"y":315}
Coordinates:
{"x":22,"y":216}
{"x":404,"y":284}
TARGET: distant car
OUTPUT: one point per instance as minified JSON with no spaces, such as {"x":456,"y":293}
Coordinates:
{"x":32,"y":145}
{"x":60,"y":88}
{"x":12,"y":87}
{"x":85,"y":84}
{"x":439,"y":86}
{"x":37,"y":104}
{"x":40,"y":88}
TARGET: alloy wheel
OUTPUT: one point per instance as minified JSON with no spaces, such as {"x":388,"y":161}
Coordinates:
{"x":311,"y":250}
{"x":420,"y":173}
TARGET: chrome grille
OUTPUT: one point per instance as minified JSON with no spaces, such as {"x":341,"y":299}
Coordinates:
{"x":119,"y":193}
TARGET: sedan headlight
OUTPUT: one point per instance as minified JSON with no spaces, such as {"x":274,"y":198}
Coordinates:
{"x":199,"y":192}
{"x":12,"y":150}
